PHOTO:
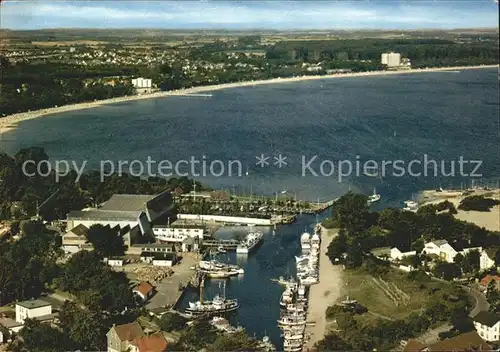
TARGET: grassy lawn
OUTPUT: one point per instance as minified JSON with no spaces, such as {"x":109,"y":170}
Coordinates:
{"x":382,"y":298}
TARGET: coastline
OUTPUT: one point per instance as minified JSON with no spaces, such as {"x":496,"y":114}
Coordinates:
{"x":325,"y":293}
{"x":10,"y":122}
{"x":490,"y":220}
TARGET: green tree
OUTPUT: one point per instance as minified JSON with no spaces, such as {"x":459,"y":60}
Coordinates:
{"x":333,"y":342}
{"x":234,"y":342}
{"x":447,"y":271}
{"x":107,"y":242}
{"x":493,"y":296}
{"x":471,"y":261}
{"x":351,"y":212}
{"x":171,"y":321}
{"x":84,"y":327}
{"x":41,"y":337}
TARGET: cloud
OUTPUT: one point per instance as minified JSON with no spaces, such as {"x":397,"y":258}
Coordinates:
{"x":244,"y":14}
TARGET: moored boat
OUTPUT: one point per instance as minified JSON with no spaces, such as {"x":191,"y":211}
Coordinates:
{"x":305,"y":241}
{"x":249,"y":243}
{"x":375,"y":197}
{"x":266,"y":344}
{"x":219,"y":305}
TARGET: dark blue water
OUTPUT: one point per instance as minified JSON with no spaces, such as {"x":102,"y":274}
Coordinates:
{"x":445,"y":115}
{"x":258,"y":295}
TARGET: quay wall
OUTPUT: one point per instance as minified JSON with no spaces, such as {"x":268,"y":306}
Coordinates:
{"x":226,"y":219}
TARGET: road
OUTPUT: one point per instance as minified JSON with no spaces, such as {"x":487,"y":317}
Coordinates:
{"x":479,"y":300}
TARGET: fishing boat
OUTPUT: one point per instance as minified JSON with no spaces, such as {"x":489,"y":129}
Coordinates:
{"x":223,"y":324}
{"x":214,"y":264}
{"x":375,"y":197}
{"x":219,"y":305}
{"x":221,"y":249}
{"x":220,"y":274}
{"x":250,"y":242}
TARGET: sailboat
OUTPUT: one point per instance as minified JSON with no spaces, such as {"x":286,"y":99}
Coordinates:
{"x":217,"y":306}
{"x":375,"y":197}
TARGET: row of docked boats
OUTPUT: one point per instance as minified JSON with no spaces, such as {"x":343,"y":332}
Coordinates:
{"x":220,"y":305}
{"x":293,"y":317}
{"x":293,"y":301}
{"x":307,"y":263}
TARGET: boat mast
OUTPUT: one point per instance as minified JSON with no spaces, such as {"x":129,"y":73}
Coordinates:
{"x":201,"y":289}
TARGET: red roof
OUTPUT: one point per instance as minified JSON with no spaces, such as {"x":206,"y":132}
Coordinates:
{"x":486,"y":280}
{"x":144,"y":288}
{"x":151,"y":343}
{"x":128,"y":332}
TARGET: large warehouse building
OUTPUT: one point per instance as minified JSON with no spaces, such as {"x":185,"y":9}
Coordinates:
{"x":126,"y":210}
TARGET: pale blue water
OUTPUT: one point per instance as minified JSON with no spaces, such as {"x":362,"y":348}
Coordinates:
{"x":444,"y":115}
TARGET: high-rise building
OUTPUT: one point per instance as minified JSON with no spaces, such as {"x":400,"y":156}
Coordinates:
{"x":384,"y":59}
{"x":391,"y":59}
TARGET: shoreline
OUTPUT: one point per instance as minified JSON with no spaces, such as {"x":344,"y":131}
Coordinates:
{"x":10,"y":122}
{"x":325,"y":293}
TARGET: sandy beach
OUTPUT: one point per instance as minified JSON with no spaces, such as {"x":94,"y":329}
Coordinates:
{"x":10,"y":122}
{"x":489,"y":220}
{"x":325,"y":293}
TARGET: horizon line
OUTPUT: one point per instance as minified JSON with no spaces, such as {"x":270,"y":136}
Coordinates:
{"x":254,"y":29}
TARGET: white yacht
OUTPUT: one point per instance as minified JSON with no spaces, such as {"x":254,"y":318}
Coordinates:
{"x":375,"y":197}
{"x":292,"y":345}
{"x":309,"y":280}
{"x":305,"y":241}
{"x":301,"y":291}
{"x":286,"y":298}
{"x":290,"y":336}
{"x":315,"y":241}
{"x":296,"y":308}
{"x":292,"y":321}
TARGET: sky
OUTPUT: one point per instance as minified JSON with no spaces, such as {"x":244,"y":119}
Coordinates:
{"x":249,"y":14}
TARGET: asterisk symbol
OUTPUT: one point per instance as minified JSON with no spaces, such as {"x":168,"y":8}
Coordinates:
{"x":280,"y":161}
{"x":262,"y":160}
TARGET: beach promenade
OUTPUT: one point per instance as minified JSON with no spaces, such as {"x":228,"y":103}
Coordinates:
{"x":325,"y":293}
{"x":9,"y":122}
